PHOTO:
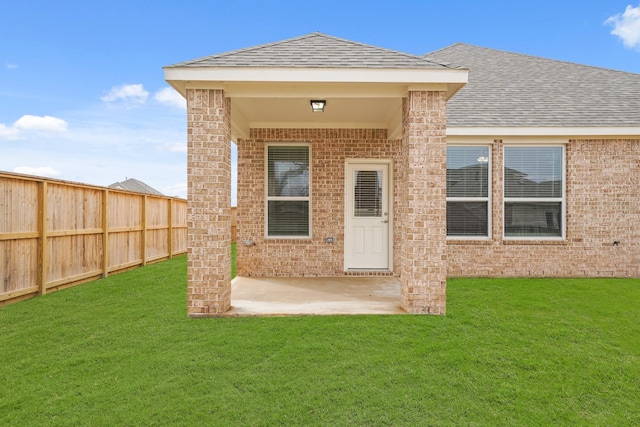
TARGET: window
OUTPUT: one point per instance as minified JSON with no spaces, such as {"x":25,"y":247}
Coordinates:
{"x":468,"y":191}
{"x":288,"y":191}
{"x":367,"y":193}
{"x":534,"y":191}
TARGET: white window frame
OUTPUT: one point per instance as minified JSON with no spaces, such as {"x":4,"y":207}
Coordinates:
{"x":562,"y":200}
{"x":487,"y":199}
{"x":284,"y":198}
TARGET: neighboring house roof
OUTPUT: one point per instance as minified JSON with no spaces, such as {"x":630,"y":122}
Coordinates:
{"x":316,"y":50}
{"x":132,"y":184}
{"x":513,"y":90}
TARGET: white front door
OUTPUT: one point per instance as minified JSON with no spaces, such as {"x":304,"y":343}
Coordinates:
{"x":367,"y":216}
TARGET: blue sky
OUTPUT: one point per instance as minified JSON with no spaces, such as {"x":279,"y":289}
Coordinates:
{"x":82,"y":94}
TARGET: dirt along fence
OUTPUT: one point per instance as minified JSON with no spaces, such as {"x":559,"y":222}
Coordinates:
{"x":55,"y":234}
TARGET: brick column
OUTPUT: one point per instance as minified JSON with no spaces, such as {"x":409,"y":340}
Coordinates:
{"x":423,"y":210}
{"x":209,"y":202}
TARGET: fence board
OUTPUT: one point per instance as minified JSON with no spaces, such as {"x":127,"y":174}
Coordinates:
{"x":18,"y":205}
{"x":70,"y":256}
{"x":124,"y":248}
{"x":19,"y":262}
{"x":157,"y":244}
{"x":54,"y":234}
{"x":179,"y":227}
{"x":157,"y":212}
{"x":73,"y":208}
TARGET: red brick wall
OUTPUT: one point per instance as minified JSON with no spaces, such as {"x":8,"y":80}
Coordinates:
{"x":603,"y":206}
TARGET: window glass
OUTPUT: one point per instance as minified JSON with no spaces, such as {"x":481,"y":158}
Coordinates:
{"x":467,"y":171}
{"x":533,"y":191}
{"x":367,"y":193}
{"x":288,"y":191}
{"x":524,"y":219}
{"x":533,"y":172}
{"x":288,"y":171}
{"x":468,"y":191}
{"x":288,"y":218}
{"x":467,"y":219}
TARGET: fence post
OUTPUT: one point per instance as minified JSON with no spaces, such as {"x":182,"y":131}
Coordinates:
{"x":170,"y":229}
{"x":42,"y":247}
{"x":105,"y":233}
{"x":144,"y":230}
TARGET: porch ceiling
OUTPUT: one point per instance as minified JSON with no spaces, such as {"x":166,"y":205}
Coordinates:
{"x":358,"y":113}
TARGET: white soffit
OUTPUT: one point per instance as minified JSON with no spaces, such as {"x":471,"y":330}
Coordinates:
{"x":359,"y":113}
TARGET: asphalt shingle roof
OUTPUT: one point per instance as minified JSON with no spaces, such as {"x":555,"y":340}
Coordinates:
{"x":513,"y":90}
{"x":316,"y":50}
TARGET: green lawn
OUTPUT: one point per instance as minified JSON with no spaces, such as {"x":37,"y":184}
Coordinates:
{"x":121,"y":351}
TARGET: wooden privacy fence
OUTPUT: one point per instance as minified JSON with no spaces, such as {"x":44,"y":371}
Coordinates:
{"x":54,"y":234}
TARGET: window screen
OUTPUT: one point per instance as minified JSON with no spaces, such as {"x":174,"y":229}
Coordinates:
{"x":288,"y":191}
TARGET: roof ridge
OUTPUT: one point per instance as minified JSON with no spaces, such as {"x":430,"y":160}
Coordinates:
{"x":307,"y":36}
{"x":443,"y":48}
{"x":407,"y":54}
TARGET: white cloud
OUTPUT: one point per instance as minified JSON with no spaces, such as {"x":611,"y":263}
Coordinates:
{"x":9,"y":133}
{"x":39,"y":170}
{"x":103,"y":145}
{"x":41,"y":123}
{"x":10,"y":66}
{"x":29,"y":123}
{"x":627,"y":26}
{"x":170,"y":97}
{"x":134,"y":94}
{"x":179,"y":147}
{"x":177,"y":190}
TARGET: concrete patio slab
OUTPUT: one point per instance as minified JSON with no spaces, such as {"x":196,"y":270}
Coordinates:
{"x":302,"y":296}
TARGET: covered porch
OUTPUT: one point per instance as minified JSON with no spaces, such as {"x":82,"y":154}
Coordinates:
{"x":384,"y":113}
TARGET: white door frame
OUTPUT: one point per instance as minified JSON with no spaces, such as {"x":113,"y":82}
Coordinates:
{"x":347,"y":203}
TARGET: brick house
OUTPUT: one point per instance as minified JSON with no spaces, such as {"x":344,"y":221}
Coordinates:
{"x":356,"y":160}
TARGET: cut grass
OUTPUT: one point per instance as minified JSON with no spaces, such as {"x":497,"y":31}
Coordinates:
{"x":121,"y":351}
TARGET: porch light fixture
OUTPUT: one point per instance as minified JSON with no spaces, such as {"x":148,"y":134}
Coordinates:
{"x":317,"y":105}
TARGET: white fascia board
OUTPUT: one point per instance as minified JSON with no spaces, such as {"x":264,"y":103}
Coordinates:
{"x":320,"y":75}
{"x":545,"y":131}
